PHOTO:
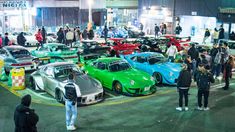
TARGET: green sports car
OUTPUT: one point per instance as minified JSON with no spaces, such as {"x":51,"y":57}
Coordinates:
{"x":56,"y":49}
{"x":117,"y":75}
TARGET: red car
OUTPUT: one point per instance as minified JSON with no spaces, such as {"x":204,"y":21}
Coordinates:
{"x":180,"y":42}
{"x":119,"y":46}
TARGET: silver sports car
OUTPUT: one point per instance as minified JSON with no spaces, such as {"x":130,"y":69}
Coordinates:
{"x":16,"y":57}
{"x":54,"y":76}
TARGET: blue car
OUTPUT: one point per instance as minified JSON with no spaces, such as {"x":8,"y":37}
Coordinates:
{"x":156,"y":65}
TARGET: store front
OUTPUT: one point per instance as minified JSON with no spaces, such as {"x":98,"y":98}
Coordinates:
{"x":16,"y":16}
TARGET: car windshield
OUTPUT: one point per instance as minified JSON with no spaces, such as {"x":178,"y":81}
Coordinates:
{"x":156,"y":59}
{"x":65,"y":70}
{"x":19,"y":53}
{"x":59,"y":48}
{"x":119,"y":66}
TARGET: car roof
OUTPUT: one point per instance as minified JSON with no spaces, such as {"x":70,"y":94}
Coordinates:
{"x":145,"y":54}
{"x":14,"y":47}
{"x":109,"y":59}
{"x":55,"y":64}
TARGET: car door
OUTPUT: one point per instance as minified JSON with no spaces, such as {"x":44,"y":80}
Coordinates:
{"x":49,"y":80}
{"x":101,"y":71}
{"x":139,"y":62}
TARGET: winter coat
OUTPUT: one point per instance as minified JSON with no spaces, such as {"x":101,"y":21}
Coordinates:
{"x":69,"y":35}
{"x":21,"y":39}
{"x":221,"y":33}
{"x":207,"y":33}
{"x":193,"y":53}
{"x":25,"y":118}
{"x":6,"y":41}
{"x":1,"y":42}
{"x":39,"y":37}
{"x":201,"y":76}
{"x":44,"y":35}
{"x":227,"y":70}
{"x":184,"y":79}
{"x":91,"y":34}
{"x":215,"y":35}
{"x":85,"y":34}
{"x":172,"y":51}
{"x":178,"y":29}
{"x":60,"y":36}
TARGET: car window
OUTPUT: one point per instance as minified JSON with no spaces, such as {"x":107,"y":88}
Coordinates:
{"x":3,"y":52}
{"x":64,"y":71}
{"x":18,"y":53}
{"x":49,"y":71}
{"x":101,"y":66}
{"x":119,"y":66}
{"x":141,"y":59}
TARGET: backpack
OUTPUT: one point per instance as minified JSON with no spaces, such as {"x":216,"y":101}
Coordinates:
{"x":203,"y":81}
{"x":218,"y":58}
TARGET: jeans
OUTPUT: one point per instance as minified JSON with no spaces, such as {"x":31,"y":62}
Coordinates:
{"x":201,"y":93}
{"x":218,"y":69}
{"x":71,"y":112}
{"x":171,"y":59}
{"x":194,"y":66}
{"x":183,"y":93}
{"x":226,"y":82}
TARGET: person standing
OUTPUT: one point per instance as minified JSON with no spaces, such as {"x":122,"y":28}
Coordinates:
{"x":206,"y":36}
{"x":60,"y":35}
{"x":25,"y":118}
{"x":39,"y":38}
{"x":21,"y":39}
{"x":1,"y":41}
{"x":215,"y":36}
{"x":219,"y":59}
{"x":228,"y":72}
{"x":141,"y":27}
{"x":77,"y":34}
{"x":232,"y":36}
{"x":91,"y":34}
{"x":85,"y":34}
{"x":105,"y":33}
{"x":203,"y":78}
{"x":44,"y":35}
{"x":171,"y":52}
{"x":72,"y":92}
{"x":178,"y":29}
{"x":183,"y":85}
{"x":6,"y":40}
{"x":156,"y":30}
{"x":194,"y":54}
{"x":221,"y":32}
{"x":69,"y":37}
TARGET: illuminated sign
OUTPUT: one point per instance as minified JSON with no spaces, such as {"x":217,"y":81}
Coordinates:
{"x":13,"y":4}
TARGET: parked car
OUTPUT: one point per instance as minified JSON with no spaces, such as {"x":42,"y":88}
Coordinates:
{"x":114,"y":32}
{"x":91,"y":46}
{"x":30,"y":38}
{"x":156,"y":65}
{"x":16,"y":57}
{"x":121,"y":46}
{"x":56,"y":49}
{"x":117,"y":75}
{"x":53,"y":77}
{"x":134,"y":32}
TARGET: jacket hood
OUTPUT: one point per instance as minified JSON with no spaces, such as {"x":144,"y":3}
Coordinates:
{"x":26,"y":100}
{"x":22,"y":108}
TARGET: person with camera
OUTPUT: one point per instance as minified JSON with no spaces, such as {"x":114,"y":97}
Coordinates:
{"x":72,"y":92}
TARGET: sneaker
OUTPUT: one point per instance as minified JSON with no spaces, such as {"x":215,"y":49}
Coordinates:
{"x":71,"y":128}
{"x":199,"y":108}
{"x":179,"y":108}
{"x":186,"y":108}
{"x":207,"y":108}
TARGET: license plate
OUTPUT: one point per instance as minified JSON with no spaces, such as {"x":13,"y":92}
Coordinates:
{"x":91,"y":98}
{"x":146,"y":88}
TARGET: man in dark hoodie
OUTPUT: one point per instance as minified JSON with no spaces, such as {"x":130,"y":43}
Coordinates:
{"x":24,"y":117}
{"x":183,"y":84}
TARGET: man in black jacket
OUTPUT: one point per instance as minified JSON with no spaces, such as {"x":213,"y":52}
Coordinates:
{"x":183,"y":84}
{"x":24,"y":117}
{"x":194,"y":54}
{"x":203,"y":78}
{"x":21,"y":39}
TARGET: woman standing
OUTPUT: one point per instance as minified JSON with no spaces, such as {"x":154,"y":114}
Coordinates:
{"x":39,"y":37}
{"x":228,"y":71}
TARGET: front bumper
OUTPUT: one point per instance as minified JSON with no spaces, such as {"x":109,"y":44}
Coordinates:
{"x":141,"y":91}
{"x":90,"y":98}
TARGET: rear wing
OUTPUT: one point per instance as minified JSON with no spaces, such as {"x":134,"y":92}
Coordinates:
{"x":41,"y":61}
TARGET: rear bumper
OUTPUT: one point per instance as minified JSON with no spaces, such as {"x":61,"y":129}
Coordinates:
{"x":26,"y":67}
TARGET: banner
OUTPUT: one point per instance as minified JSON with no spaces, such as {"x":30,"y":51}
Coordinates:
{"x":14,"y":4}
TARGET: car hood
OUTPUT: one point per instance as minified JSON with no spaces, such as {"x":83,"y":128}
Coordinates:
{"x":87,"y":85}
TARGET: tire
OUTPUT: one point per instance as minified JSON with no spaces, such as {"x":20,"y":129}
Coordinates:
{"x":117,"y":86}
{"x":33,"y":85}
{"x":59,"y":96}
{"x":158,"y":77}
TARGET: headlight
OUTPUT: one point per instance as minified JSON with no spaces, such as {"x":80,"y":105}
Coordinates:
{"x":171,"y":74}
{"x":132,"y":82}
{"x":152,"y":78}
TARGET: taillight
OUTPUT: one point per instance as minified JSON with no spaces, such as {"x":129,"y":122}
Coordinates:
{"x":21,"y":64}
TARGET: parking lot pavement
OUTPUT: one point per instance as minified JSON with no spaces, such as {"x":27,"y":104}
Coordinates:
{"x":148,"y":113}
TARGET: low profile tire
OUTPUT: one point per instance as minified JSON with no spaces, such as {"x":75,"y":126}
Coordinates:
{"x":33,"y":84}
{"x":117,"y":87}
{"x":158,"y":77}
{"x":59,"y":96}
